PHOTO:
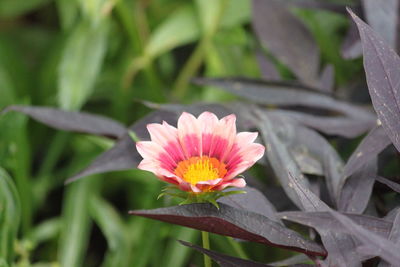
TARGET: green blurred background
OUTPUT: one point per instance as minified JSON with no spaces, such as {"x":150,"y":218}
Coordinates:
{"x":105,"y":57}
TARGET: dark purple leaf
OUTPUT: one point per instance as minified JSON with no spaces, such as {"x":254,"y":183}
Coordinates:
{"x":308,"y":200}
{"x":233,"y":222}
{"x":284,"y":94}
{"x":324,"y":5}
{"x":395,"y":232}
{"x":245,"y":119}
{"x":279,"y":198}
{"x":393,"y":236}
{"x":139,"y":127}
{"x":328,"y":79}
{"x":307,"y":162}
{"x":340,"y":247}
{"x":391,"y":215}
{"x":351,"y":46}
{"x":72,"y":121}
{"x":392,"y":185}
{"x":338,"y":125}
{"x":267,"y":67}
{"x":253,"y":201}
{"x":315,"y":186}
{"x":352,"y":50}
{"x":122,"y":156}
{"x":278,"y":154}
{"x":357,"y":189}
{"x":224,"y":260}
{"x":366,"y":252}
{"x":291,"y":142}
{"x":382,"y":15}
{"x":372,"y":144}
{"x":382,"y":66}
{"x":381,"y":246}
{"x":318,"y":220}
{"x":315,"y":145}
{"x":287,"y":38}
{"x":294,"y":260}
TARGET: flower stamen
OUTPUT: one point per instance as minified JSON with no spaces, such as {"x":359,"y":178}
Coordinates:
{"x":197,"y":169}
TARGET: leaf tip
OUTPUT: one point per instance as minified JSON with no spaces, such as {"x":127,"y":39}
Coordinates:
{"x":350,"y":11}
{"x":71,"y":179}
{"x":355,"y":18}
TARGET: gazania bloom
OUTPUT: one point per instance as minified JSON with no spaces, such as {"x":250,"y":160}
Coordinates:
{"x":202,"y":154}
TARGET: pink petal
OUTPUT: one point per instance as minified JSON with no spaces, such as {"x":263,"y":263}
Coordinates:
{"x":173,"y":147}
{"x":242,"y":140}
{"x":166,"y":176}
{"x":207,"y":185}
{"x":185,"y":186}
{"x":244,"y":159}
{"x":162,"y":134}
{"x":189,"y":133}
{"x":245,"y":138}
{"x":240,"y":183}
{"x":151,"y":150}
{"x":223,"y":137}
{"x":208,"y":121}
{"x":157,"y":168}
{"x":149,"y":165}
{"x":252,"y":152}
{"x":170,"y":175}
{"x":195,"y":188}
{"x":210,"y":182}
{"x":166,"y":137}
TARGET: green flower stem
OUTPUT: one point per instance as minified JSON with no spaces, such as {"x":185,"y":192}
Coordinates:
{"x":237,"y":248}
{"x":206,"y":245}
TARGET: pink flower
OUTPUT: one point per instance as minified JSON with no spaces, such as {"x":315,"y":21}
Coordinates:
{"x":201,"y":155}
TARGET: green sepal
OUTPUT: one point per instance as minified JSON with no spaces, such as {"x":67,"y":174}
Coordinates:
{"x":190,"y":197}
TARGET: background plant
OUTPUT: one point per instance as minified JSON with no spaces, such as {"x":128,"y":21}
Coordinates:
{"x":120,"y":59}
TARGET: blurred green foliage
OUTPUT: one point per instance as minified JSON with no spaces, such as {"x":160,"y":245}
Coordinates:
{"x":103,"y":56}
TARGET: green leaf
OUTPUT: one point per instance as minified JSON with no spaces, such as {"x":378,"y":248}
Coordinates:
{"x":14,"y":8}
{"x":236,"y":12}
{"x":180,"y":28}
{"x":46,"y":231}
{"x":76,"y":222}
{"x":14,"y":74}
{"x":114,"y":230}
{"x":174,"y":254}
{"x":8,"y":91}
{"x":9,"y":216}
{"x":80,"y":64}
{"x":68,"y":12}
{"x":15,"y":156}
{"x":209,"y":13}
{"x":93,"y":9}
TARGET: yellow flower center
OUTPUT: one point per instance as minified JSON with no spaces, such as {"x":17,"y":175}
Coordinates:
{"x":197,"y":169}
